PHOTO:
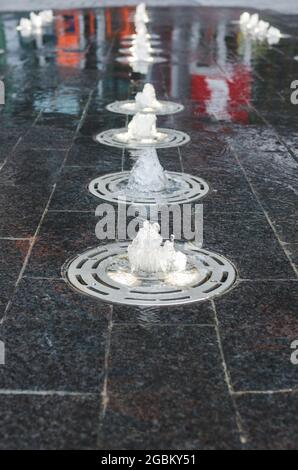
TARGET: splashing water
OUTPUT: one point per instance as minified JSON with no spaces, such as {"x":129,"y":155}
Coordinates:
{"x":259,"y":29}
{"x":35,"y":23}
{"x":141,"y":13}
{"x":147,"y":252}
{"x":147,"y":98}
{"x":142,"y":128}
{"x":147,"y":174}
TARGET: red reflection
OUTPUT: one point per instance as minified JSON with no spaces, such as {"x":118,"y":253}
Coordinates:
{"x":68,"y":39}
{"x":224,"y":98}
{"x":123,"y":26}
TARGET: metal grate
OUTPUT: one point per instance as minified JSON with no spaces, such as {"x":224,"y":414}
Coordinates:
{"x":182,"y":188}
{"x":126,"y":51}
{"x":172,"y":138}
{"x":130,"y":60}
{"x":95,"y":273}
{"x":129,"y":107}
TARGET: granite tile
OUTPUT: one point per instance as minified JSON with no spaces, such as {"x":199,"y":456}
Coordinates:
{"x":155,"y":370}
{"x":258,"y":322}
{"x":228,"y":192}
{"x":89,"y":153}
{"x":146,"y":317}
{"x":54,"y":339}
{"x":34,"y":167}
{"x":72,"y":189}
{"x":62,"y":236}
{"x":249,"y":242}
{"x":60,"y":423}
{"x":270,"y":421}
{"x":292,"y":251}
{"x":21,"y":209}
{"x":41,"y":138}
{"x":12,"y":256}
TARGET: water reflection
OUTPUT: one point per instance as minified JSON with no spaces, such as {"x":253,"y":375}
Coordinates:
{"x":210,"y":61}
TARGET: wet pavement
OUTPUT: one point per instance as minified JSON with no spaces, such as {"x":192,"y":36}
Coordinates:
{"x":82,"y":374}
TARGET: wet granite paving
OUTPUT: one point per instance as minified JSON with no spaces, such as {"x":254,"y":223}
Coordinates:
{"x":81,"y":374}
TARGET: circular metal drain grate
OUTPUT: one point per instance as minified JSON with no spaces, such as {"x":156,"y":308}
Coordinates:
{"x":182,"y":188}
{"x":129,"y":107}
{"x":131,"y":60}
{"x":127,"y":51}
{"x":95,"y":273}
{"x":172,"y":138}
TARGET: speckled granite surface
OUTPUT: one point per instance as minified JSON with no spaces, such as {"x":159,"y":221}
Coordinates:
{"x":80,"y":374}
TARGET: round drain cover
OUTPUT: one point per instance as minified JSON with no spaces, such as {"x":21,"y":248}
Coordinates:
{"x":132,"y":60}
{"x":103,"y":272}
{"x":171,"y":138}
{"x":182,"y":188}
{"x":129,"y":107}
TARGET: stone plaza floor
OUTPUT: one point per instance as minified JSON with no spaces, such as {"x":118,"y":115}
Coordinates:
{"x":81,"y":374}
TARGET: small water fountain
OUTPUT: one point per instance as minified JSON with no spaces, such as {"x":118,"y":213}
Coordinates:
{"x":141,"y":31}
{"x":149,"y":271}
{"x":142,"y":132}
{"x":140,"y":45}
{"x":35,"y":23}
{"x":141,"y":49}
{"x":141,"y":14}
{"x":148,"y":183}
{"x":259,"y":30}
{"x":145,"y":102}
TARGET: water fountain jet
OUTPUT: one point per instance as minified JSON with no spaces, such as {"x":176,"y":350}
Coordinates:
{"x":145,"y":102}
{"x":142,"y":132}
{"x":149,"y":271}
{"x":148,"y":184}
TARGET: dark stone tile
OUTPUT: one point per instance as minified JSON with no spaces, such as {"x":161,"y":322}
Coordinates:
{"x":285,"y":224}
{"x":62,"y":235}
{"x":58,"y":121}
{"x":208,"y":154}
{"x":92,"y":125}
{"x":93,"y":154}
{"x":258,"y":322}
{"x":196,"y":314}
{"x":34,"y":167}
{"x":228,"y":192}
{"x":12,"y":256}
{"x":159,"y":369}
{"x":21,"y":209}
{"x":54,"y":339}
{"x":292,"y":251}
{"x":9,"y":137}
{"x":48,"y":422}
{"x":270,"y":421}
{"x":72,"y":189}
{"x":41,"y":137}
{"x":249,"y":242}
{"x":272,"y":171}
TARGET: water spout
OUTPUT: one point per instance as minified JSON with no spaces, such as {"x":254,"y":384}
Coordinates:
{"x":148,"y":254}
{"x":146,"y":100}
{"x":147,"y":174}
{"x":141,"y":13}
{"x":142,"y":129}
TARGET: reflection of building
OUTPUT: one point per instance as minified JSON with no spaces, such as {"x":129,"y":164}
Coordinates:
{"x":222,"y":97}
{"x":119,"y":21}
{"x":221,"y":89}
{"x":200,"y":68}
{"x":69,"y":28}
